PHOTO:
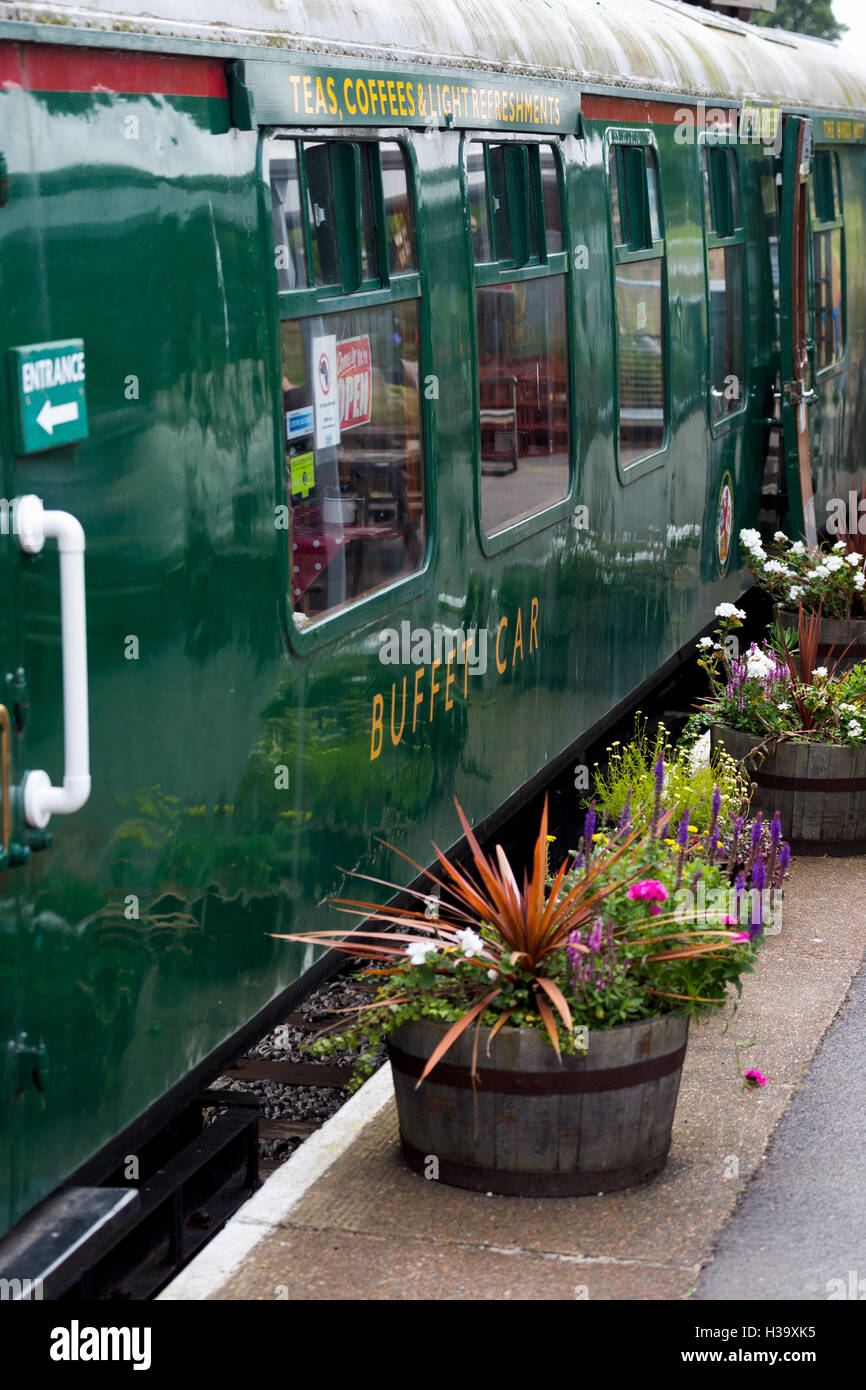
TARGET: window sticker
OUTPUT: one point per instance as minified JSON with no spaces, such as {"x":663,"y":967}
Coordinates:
{"x":355,"y":382}
{"x":303,"y":474}
{"x":325,"y":386}
{"x":299,"y":422}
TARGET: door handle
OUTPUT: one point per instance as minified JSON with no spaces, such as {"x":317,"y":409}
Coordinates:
{"x":40,"y":799}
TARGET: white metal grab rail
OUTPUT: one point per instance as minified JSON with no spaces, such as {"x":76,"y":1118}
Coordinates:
{"x":42,"y":800}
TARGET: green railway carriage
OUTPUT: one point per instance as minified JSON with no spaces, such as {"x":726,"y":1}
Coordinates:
{"x":410,"y":396}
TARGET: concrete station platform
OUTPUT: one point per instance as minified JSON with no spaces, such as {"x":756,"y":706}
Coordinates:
{"x":345,"y":1218}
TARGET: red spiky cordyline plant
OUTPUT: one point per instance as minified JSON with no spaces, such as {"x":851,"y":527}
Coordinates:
{"x":529,"y":924}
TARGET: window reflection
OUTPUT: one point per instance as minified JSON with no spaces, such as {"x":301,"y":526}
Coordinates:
{"x":357,"y":503}
{"x":523,"y":375}
{"x":640,"y":328}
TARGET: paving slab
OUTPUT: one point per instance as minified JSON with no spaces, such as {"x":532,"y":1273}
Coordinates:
{"x":369,"y":1228}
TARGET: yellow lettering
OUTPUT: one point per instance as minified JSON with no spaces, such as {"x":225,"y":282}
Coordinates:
{"x":445,"y":97}
{"x":308,"y":96}
{"x":363,"y":98}
{"x":500,"y":666}
{"x":419,"y":699}
{"x":434,"y":686}
{"x":350,"y":105}
{"x":321,"y":104}
{"x":475,"y":102}
{"x":332,"y":95}
{"x":533,"y":618}
{"x":395,"y":738}
{"x":401,"y":97}
{"x":497,"y":105}
{"x":410,"y":96}
{"x":295,"y":80}
{"x":466,"y":645}
{"x":380,"y":84}
{"x":518,"y":637}
{"x":378,"y":711}
{"x":449,"y":676}
{"x":392,"y":98}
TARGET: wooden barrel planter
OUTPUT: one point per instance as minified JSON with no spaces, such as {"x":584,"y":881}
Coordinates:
{"x":834,"y":635}
{"x":819,"y":789}
{"x":533,"y":1127}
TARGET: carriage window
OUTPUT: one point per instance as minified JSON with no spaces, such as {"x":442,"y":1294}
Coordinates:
{"x":521,"y":278}
{"x":725,"y":252}
{"x":827,"y":253}
{"x":641,"y":300}
{"x":350,"y":372}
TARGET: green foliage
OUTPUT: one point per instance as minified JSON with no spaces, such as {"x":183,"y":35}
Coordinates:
{"x":813,"y":17}
{"x":689,"y":782}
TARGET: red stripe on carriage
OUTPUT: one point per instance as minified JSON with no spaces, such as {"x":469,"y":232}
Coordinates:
{"x":49,"y":68}
{"x":599,"y":108}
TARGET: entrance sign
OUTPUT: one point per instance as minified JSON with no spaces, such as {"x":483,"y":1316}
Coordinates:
{"x":48,"y":395}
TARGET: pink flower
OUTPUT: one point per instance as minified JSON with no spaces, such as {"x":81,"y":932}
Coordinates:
{"x":754,"y":1079}
{"x":648,"y":890}
{"x":655,"y":909}
{"x":741,"y":936}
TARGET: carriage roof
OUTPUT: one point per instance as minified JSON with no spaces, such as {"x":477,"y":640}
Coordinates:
{"x":656,"y":45}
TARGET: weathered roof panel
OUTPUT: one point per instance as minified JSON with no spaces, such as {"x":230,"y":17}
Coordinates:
{"x":651,"y":44}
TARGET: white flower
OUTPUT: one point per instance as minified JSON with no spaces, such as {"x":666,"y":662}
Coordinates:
{"x":848,"y":709}
{"x":418,"y":951}
{"x":820,"y":671}
{"x":758,"y":664}
{"x":706,"y":642}
{"x":470,"y":942}
{"x":798,"y":548}
{"x":774,"y":567}
{"x":859,"y":580}
{"x":795,"y":593}
{"x":779,"y":536}
{"x":728,"y":610}
{"x":820,"y":572}
{"x":783,"y":705}
{"x":492,"y":975}
{"x":750,"y":538}
{"x":840,"y":545}
{"x":854,"y":729}
{"x":853,"y":560}
{"x":833,"y":563}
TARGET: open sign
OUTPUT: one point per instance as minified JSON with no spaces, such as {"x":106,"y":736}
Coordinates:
{"x":354,"y":382}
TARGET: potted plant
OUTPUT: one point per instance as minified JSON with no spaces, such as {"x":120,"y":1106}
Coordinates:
{"x":829,"y":581}
{"x":537,"y":1031}
{"x":798,"y":728}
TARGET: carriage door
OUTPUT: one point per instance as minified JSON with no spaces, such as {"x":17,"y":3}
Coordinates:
{"x":798,"y":391}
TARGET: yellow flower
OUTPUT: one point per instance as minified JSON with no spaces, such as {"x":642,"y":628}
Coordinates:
{"x":693,"y":829}
{"x":550,"y":839}
{"x":670,"y":842}
{"x":599,"y":839}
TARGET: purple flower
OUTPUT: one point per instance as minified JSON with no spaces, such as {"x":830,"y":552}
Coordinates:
{"x":589,"y":827}
{"x":595,"y":936}
{"x":756,"y":830}
{"x":683,"y":830}
{"x":715,"y":808}
{"x":776,"y":828}
{"x":625,"y":818}
{"x":659,"y":772}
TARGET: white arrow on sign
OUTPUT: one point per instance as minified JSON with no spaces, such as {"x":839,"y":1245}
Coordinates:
{"x":51,"y":415}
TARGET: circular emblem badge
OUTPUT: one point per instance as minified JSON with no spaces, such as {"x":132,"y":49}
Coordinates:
{"x":725,"y":522}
